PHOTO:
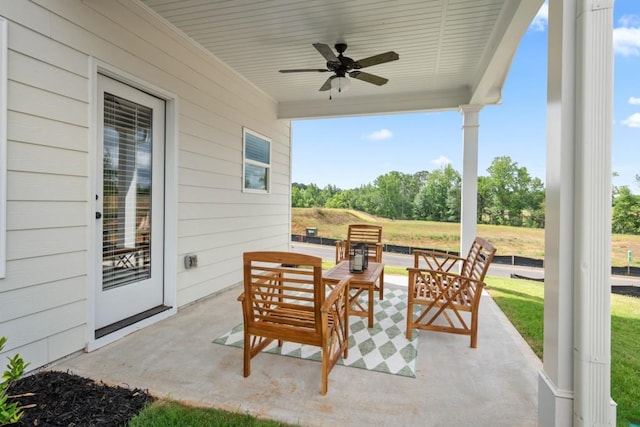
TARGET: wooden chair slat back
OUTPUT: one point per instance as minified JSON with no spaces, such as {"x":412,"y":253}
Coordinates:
{"x":277,"y":283}
{"x":369,"y":234}
{"x":364,"y":233}
{"x":478,"y":260}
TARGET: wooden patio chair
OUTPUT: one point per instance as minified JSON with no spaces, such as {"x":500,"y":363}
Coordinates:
{"x":371,"y":235}
{"x":285,"y":299}
{"x":448,"y":300}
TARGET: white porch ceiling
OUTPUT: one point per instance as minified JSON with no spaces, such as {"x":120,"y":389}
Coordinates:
{"x":452,"y":52}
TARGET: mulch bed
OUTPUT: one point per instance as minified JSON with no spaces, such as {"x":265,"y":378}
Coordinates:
{"x":64,"y":399}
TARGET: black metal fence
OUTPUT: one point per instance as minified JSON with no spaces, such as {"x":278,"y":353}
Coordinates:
{"x":515,"y":260}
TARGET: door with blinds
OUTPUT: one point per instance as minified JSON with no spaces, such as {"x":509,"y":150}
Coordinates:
{"x":129,"y":205}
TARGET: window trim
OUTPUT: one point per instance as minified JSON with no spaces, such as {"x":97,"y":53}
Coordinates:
{"x":245,"y":162}
{"x":3,"y":144}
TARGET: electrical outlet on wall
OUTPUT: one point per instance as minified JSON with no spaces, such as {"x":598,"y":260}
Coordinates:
{"x":190,"y":261}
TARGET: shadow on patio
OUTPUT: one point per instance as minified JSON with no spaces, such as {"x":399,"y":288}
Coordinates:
{"x":495,"y":384}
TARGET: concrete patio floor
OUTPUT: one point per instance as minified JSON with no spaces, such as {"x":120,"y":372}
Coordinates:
{"x":493,"y":385}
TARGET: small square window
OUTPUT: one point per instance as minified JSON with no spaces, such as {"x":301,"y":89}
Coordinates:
{"x":257,"y":162}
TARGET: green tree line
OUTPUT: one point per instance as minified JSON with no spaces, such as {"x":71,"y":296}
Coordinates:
{"x":507,"y":195}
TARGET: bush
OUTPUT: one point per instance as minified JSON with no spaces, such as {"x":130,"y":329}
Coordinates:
{"x":10,"y":412}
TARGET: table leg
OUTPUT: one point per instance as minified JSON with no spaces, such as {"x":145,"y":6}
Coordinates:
{"x":370,"y":304}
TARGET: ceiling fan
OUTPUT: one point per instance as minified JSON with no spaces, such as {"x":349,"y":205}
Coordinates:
{"x":342,"y":66}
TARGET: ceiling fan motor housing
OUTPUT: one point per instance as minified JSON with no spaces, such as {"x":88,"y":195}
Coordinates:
{"x":345,"y":64}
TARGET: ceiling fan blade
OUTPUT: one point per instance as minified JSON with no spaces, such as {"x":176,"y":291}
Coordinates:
{"x":304,"y":70}
{"x":369,"y":78}
{"x":327,"y":84}
{"x":376,"y":59}
{"x":326,"y":51}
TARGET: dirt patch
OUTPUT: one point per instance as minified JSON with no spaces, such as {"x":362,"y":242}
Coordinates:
{"x":333,"y":222}
{"x":63,"y":399}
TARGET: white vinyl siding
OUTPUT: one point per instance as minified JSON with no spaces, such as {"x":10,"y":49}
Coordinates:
{"x":50,"y":199}
{"x":3,"y":144}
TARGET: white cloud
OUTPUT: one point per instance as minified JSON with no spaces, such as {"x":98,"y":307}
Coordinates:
{"x":634,"y":101}
{"x":441,"y":161}
{"x":541,"y":19}
{"x":626,"y":38}
{"x":633,"y":121}
{"x":379,"y":135}
{"x":629,"y":21}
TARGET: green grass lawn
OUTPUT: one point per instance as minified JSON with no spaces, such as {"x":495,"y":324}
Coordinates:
{"x":522,"y":302}
{"x":172,"y":414}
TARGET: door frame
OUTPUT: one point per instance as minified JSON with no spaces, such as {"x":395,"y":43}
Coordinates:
{"x":170,"y":200}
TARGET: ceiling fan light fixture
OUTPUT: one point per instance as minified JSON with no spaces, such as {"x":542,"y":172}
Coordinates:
{"x":340,"y":84}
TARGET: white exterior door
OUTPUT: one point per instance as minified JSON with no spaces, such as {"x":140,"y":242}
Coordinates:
{"x":129,"y":205}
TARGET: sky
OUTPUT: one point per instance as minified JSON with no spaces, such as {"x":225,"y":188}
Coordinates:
{"x":410,"y":143}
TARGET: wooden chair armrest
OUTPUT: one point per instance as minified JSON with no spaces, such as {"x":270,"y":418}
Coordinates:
{"x":435,"y":271}
{"x":241,"y":297}
{"x":339,"y":289}
{"x":447,"y":276}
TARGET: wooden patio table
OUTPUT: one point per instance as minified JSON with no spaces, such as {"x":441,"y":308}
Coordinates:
{"x":360,"y":283}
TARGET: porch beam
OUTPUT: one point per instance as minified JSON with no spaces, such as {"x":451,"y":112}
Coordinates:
{"x":436,"y":100}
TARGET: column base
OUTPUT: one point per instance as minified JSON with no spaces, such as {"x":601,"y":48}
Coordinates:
{"x":555,"y":407}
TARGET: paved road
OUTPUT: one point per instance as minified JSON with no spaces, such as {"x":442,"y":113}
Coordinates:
{"x":328,"y":253}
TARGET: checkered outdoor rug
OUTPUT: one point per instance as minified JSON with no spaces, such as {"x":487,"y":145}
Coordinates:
{"x":383,"y":348}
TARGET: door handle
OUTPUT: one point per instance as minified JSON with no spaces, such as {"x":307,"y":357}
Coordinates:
{"x":98,"y":215}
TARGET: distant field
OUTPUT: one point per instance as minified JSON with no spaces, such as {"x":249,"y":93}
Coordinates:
{"x":527,"y":242}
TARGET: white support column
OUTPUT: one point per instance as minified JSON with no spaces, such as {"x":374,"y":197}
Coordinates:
{"x":574,"y":385}
{"x":592,"y":287}
{"x":555,"y":388}
{"x":469,"y":208}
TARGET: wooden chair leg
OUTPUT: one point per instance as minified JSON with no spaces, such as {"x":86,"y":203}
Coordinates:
{"x":247,"y":355}
{"x":345,"y":327}
{"x":474,"y":328}
{"x":409,"y":331}
{"x":325,"y":370}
